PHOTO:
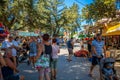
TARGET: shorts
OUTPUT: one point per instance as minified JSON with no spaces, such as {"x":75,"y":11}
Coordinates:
{"x":70,"y":51}
{"x":95,"y":60}
{"x":32,"y":54}
{"x":13,"y":77}
{"x":53,"y":64}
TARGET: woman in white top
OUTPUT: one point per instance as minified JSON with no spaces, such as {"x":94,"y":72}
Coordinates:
{"x":10,"y":44}
{"x":55,"y":51}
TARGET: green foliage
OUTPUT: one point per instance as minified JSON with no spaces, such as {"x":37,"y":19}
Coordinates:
{"x":72,"y":18}
{"x":46,"y":15}
{"x":99,"y":9}
{"x":81,"y":36}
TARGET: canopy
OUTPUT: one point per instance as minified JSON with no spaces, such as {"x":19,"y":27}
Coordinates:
{"x":115,"y":30}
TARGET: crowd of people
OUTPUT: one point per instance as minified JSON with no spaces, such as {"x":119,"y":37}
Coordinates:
{"x":42,"y":54}
{"x":34,"y":48}
{"x":96,"y":51}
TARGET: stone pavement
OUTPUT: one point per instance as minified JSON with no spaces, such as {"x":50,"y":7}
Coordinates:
{"x":75,"y":70}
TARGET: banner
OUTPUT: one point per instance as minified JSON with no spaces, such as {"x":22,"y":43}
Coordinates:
{"x":27,"y":34}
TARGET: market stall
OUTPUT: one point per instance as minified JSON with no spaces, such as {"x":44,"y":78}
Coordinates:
{"x":115,"y":30}
{"x":112,"y":39}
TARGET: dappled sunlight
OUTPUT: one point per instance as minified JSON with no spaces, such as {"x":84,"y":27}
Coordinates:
{"x":70,"y":71}
{"x":75,"y":66}
{"x":79,"y":66}
{"x":29,"y":71}
{"x":88,"y":64}
{"x":77,"y":69}
{"x":63,"y":54}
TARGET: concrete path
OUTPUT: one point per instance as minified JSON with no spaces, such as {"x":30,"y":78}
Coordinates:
{"x":77,"y":69}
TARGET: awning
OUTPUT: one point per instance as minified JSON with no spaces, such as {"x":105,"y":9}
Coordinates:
{"x":115,"y":30}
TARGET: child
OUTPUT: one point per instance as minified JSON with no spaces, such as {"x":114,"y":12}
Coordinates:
{"x":108,"y":71}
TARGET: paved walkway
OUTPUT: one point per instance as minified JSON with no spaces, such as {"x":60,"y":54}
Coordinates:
{"x":75,"y":70}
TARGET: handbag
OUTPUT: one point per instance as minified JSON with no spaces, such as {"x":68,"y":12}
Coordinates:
{"x":43,"y":61}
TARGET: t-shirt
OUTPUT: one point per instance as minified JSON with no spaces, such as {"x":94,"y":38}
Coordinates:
{"x":7,"y":44}
{"x":33,"y":47}
{"x":98,"y":47}
{"x":15,"y":43}
{"x":69,"y":45}
{"x":55,"y":50}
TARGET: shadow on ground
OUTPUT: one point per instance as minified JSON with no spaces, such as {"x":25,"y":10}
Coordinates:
{"x":75,"y":70}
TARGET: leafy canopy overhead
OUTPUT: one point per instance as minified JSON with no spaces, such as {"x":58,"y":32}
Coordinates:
{"x":99,"y":9}
{"x":46,"y":15}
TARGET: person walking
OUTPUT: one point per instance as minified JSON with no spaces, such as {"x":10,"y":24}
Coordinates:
{"x":44,"y":48}
{"x":33,"y":50}
{"x":98,"y":48}
{"x":55,"y":51}
{"x":70,"y":45}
